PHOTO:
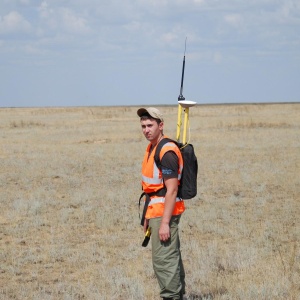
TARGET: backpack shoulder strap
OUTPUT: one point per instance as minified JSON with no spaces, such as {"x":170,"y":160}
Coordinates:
{"x":158,"y":148}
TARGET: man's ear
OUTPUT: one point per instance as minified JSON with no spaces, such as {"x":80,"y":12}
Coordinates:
{"x":161,"y":126}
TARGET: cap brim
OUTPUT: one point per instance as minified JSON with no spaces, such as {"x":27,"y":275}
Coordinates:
{"x":141,"y":111}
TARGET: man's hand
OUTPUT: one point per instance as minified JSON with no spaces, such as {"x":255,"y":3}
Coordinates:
{"x":164,"y":232}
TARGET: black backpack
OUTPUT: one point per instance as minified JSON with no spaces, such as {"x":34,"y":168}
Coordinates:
{"x":188,"y":183}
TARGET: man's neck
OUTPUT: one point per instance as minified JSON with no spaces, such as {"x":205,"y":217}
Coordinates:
{"x":155,"y":142}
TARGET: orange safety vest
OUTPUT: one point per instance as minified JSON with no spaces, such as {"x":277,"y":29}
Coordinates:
{"x":152,"y":181}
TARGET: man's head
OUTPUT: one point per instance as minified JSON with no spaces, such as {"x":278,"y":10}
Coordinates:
{"x":152,"y":123}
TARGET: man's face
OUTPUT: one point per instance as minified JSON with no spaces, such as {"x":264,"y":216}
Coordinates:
{"x":151,"y":129}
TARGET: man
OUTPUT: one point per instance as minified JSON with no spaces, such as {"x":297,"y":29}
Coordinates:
{"x":165,"y":208}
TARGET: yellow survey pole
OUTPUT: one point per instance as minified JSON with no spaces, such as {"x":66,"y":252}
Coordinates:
{"x":185,"y":106}
{"x":185,"y":126}
{"x":179,"y":123}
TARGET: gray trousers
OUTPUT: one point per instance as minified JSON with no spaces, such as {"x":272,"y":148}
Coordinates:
{"x":166,"y":259}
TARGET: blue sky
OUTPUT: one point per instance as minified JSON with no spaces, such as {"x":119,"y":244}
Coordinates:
{"x":130,"y":52}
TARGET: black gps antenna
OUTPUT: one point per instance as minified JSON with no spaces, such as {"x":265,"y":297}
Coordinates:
{"x":180,"y":97}
{"x":185,"y":105}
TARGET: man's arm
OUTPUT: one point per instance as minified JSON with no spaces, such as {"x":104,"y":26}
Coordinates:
{"x":169,"y":168}
{"x":170,"y":200}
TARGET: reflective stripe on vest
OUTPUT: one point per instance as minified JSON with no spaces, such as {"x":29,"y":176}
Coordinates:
{"x":161,"y":200}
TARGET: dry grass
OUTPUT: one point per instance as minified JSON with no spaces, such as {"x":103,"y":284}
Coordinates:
{"x":69,"y":183}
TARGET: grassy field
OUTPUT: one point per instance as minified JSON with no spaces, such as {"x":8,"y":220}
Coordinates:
{"x":70,"y":182}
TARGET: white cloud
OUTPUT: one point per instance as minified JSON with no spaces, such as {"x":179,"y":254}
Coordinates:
{"x":72,"y":22}
{"x":233,"y":19}
{"x":290,"y":11}
{"x":44,"y":10}
{"x":169,"y":37}
{"x":14,"y":22}
{"x":62,"y":19}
